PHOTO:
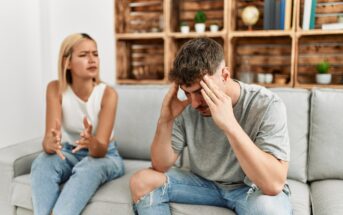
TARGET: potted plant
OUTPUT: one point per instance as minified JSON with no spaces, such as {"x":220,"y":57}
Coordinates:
{"x":199,"y":20}
{"x":214,"y":27}
{"x":184,"y":27}
{"x":323,"y":76}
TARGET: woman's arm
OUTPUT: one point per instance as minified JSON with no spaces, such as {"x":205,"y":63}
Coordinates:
{"x":98,"y":144}
{"x":52,"y":137}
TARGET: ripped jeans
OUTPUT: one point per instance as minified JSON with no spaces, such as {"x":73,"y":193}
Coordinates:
{"x":185,"y":187}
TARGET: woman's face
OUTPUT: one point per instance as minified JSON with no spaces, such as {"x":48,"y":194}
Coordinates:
{"x":84,"y":62}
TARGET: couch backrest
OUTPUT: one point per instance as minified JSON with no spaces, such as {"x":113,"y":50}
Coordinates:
{"x":297,"y":104}
{"x":326,"y":135}
{"x":136,"y":119}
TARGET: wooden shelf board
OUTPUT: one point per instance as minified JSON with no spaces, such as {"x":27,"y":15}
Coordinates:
{"x":143,"y":81}
{"x":274,"y":85}
{"x":309,"y":86}
{"x":195,"y":34}
{"x":264,"y":33}
{"x":133,"y":36}
{"x":318,"y":32}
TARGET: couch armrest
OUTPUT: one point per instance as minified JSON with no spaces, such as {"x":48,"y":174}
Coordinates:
{"x":15,"y":160}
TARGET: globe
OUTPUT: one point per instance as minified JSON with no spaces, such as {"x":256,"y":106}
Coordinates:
{"x":250,"y":15}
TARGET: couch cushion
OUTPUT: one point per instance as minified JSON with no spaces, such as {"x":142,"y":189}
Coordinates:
{"x":327,"y":197}
{"x":297,"y":104}
{"x":138,"y":111}
{"x":118,"y":201}
{"x":326,"y":136}
{"x":300,"y":197}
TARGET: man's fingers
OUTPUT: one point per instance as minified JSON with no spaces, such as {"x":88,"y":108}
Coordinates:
{"x":60,"y":154}
{"x":209,"y":92}
{"x":213,"y":88}
{"x":208,"y":100}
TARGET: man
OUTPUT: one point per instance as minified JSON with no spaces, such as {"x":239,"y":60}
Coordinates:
{"x":237,"y":140}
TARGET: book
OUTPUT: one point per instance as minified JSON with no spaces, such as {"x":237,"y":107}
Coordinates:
{"x":288,"y":15}
{"x":313,"y":14}
{"x":282,"y":14}
{"x":333,"y":26}
{"x":307,"y":14}
{"x":269,"y":16}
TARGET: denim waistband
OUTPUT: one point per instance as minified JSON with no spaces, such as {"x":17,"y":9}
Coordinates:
{"x":112,"y":145}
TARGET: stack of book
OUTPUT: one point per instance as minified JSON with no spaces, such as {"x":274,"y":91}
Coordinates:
{"x":322,"y":15}
{"x":277,"y":14}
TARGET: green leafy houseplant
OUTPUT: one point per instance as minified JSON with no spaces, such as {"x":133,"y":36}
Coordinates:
{"x":323,"y":67}
{"x":200,"y":17}
{"x":323,"y":76}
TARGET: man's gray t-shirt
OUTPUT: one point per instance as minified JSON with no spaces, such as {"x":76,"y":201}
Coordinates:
{"x":260,"y":113}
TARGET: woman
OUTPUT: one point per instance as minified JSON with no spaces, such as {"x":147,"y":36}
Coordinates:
{"x":79,"y":149}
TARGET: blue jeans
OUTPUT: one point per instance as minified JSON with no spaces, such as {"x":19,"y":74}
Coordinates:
{"x":81,"y":174}
{"x":185,"y":187}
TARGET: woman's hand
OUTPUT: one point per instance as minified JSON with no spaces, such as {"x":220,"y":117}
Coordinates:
{"x":86,"y":136}
{"x":53,"y":140}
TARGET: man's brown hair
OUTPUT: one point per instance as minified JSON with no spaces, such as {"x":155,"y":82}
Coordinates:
{"x":196,"y":58}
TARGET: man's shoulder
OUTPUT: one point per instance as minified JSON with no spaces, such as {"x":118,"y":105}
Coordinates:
{"x":259,"y":93}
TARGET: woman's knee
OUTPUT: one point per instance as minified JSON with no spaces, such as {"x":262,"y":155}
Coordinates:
{"x":145,"y":181}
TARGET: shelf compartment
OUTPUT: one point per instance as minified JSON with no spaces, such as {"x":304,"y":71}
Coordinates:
{"x":251,"y":56}
{"x":139,"y":16}
{"x":185,"y":10}
{"x":140,"y":60}
{"x":314,"y":49}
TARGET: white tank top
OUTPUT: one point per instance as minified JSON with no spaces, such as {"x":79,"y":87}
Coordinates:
{"x":74,"y":110}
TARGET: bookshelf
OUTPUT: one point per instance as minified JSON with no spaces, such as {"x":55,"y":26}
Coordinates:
{"x":148,"y":37}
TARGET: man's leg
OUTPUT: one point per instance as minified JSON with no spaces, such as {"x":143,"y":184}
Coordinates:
{"x":152,"y":191}
{"x":252,"y":201}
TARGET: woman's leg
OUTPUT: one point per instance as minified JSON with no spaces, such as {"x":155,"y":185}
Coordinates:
{"x":47,"y":173}
{"x":86,"y":178}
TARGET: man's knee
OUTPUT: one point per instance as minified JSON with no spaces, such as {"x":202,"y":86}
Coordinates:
{"x":145,"y":181}
{"x":269,"y":205}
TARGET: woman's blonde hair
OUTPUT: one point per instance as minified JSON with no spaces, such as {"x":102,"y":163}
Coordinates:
{"x":66,"y":50}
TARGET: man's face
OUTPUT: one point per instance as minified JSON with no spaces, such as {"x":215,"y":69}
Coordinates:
{"x":196,"y":99}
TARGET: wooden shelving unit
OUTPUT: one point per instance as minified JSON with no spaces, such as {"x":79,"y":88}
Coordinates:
{"x":148,"y":38}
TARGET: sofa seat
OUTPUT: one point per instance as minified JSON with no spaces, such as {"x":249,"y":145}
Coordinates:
{"x":327,"y":197}
{"x":114,"y":197}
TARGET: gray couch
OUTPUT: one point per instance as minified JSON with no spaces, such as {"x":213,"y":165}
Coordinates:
{"x":315,"y":121}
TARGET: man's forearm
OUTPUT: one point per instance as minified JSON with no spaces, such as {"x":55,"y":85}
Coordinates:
{"x":162,"y":154}
{"x":267,"y":172}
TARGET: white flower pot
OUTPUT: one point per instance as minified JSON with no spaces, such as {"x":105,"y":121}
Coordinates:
{"x":261,"y":78}
{"x":323,"y":78}
{"x":200,"y":27}
{"x":268,"y":78}
{"x":214,"y":28}
{"x":184,"y":29}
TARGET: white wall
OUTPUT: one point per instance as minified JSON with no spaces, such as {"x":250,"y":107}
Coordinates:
{"x":21,"y":97}
{"x":31,"y":33}
{"x":64,"y":17}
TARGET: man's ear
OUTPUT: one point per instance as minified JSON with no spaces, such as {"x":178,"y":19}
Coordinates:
{"x":225,"y":74}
